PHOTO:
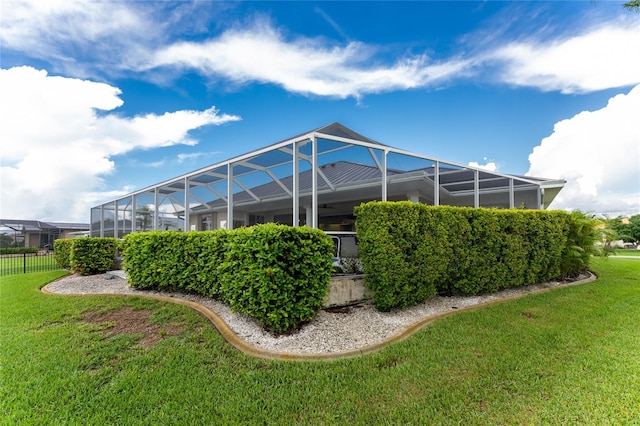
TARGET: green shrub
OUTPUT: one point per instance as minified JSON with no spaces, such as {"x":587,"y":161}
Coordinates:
{"x":277,"y":274}
{"x":62,"y":252}
{"x":171,"y":260}
{"x":582,"y":235}
{"x":198,"y":256}
{"x":90,"y":256}
{"x":400,"y":252}
{"x":412,"y":251}
{"x":18,"y":250}
{"x":153,"y":260}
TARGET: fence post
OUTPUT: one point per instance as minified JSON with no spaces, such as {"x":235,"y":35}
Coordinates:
{"x":24,"y":263}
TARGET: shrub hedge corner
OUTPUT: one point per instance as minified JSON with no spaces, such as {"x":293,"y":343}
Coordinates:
{"x":275,"y":273}
{"x":62,"y":252}
{"x":413,"y":251}
{"x":85,"y":256}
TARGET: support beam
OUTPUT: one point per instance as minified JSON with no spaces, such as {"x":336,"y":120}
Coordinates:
{"x":217,"y":193}
{"x":230,"y":196}
{"x":540,"y":198}
{"x":511,"y":195}
{"x":296,"y":185}
{"x":314,"y":182}
{"x":156,"y":207}
{"x":102,"y":220}
{"x":247,"y":190}
{"x":116,"y":219}
{"x":133,"y":214}
{"x":476,"y":188}
{"x":326,"y":180}
{"x":308,"y":215}
{"x":187,"y":209}
{"x":436,"y":183}
{"x":384,"y":175}
{"x":279,"y":182}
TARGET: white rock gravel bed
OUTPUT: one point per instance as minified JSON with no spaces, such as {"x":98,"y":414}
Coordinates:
{"x":335,"y":330}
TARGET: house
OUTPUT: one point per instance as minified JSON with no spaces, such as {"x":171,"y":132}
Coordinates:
{"x":35,"y":233}
{"x":313,"y":179}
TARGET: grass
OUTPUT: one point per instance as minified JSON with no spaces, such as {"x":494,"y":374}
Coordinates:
{"x":626,"y":253}
{"x":569,"y":356}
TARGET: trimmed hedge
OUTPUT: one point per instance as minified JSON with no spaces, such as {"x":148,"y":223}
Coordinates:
{"x":413,"y":251}
{"x":18,"y":250}
{"x":403,"y":251}
{"x":173,"y":260}
{"x":90,"y":256}
{"x":275,"y":273}
{"x":85,"y":256}
{"x":62,"y":252}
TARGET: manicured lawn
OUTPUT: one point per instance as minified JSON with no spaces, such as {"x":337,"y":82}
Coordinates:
{"x":626,"y":253}
{"x":569,"y":356}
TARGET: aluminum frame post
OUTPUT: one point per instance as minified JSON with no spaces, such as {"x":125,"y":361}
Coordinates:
{"x":102,"y":221}
{"x":476,"y":188}
{"x":296,"y":185}
{"x":512,"y":200}
{"x":116,"y":219}
{"x":230,"y":196}
{"x":436,"y":183}
{"x":187,"y":225}
{"x":133,"y":214}
{"x":384,"y":175}
{"x":156,"y":206}
{"x":314,"y":182}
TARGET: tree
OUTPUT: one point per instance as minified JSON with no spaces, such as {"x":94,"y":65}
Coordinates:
{"x":5,"y":240}
{"x":628,"y":231}
{"x":633,"y":5}
{"x":143,"y":216}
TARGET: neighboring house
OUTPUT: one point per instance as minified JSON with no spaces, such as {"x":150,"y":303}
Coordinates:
{"x":35,"y":233}
{"x":313,"y":179}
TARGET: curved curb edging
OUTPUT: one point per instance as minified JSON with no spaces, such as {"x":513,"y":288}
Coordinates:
{"x":240,"y":344}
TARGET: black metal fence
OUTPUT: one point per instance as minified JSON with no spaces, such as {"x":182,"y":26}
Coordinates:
{"x":24,"y":263}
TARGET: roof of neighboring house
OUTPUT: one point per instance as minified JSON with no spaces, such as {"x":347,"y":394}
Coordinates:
{"x":36,"y":225}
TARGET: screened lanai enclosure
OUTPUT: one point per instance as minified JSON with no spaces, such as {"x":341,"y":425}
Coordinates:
{"x":314,"y":179}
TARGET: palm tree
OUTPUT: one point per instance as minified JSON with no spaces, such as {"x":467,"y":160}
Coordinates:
{"x":142,"y":215}
{"x":633,"y":5}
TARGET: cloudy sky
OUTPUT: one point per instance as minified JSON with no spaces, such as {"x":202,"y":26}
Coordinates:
{"x":101,"y":98}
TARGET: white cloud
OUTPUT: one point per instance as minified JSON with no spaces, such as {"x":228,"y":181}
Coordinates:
{"x":304,"y":65}
{"x":61,"y":31}
{"x":598,"y":153}
{"x":123,"y":37}
{"x":116,"y":37}
{"x":489,"y":165}
{"x":602,"y":57}
{"x":56,"y":147}
{"x":194,"y":156}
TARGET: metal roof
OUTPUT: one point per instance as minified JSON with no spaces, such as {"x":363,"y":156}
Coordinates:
{"x":36,"y":225}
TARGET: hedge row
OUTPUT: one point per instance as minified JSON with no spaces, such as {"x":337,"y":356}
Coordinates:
{"x":274,"y":273}
{"x":413,"y":251}
{"x":18,"y":250}
{"x":85,"y":256}
{"x":62,"y":252}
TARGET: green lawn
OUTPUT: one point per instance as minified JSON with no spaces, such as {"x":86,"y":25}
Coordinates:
{"x":626,"y":253}
{"x":569,"y":356}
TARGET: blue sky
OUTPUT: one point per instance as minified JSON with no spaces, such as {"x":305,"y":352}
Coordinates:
{"x":99,"y":99}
